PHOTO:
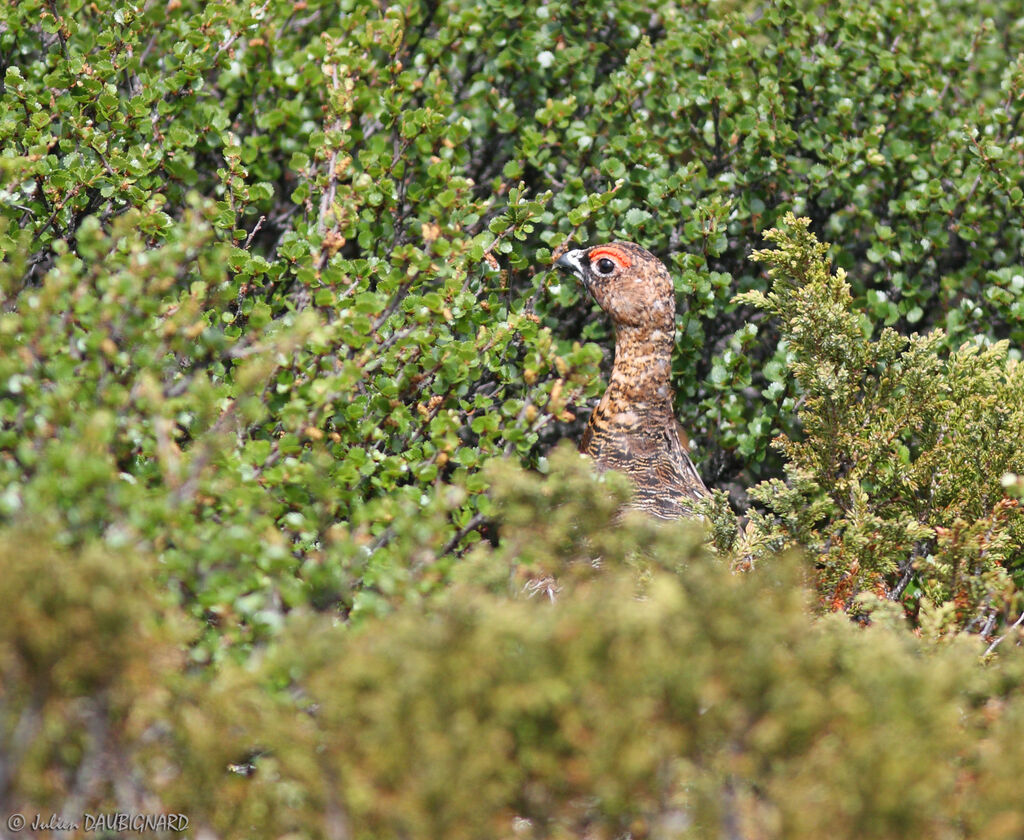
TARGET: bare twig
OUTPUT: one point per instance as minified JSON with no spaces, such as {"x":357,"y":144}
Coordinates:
{"x":996,"y":643}
{"x":330,"y":188}
{"x":254,"y":231}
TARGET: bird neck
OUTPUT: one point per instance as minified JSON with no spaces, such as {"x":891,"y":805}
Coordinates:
{"x":643,"y":365}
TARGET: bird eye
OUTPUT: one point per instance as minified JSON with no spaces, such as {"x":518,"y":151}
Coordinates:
{"x":605,"y":266}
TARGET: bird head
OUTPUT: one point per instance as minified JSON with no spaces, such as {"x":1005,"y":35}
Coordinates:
{"x":627,"y":281}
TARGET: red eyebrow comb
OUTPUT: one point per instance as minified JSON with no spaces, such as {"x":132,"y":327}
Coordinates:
{"x":609,"y":252}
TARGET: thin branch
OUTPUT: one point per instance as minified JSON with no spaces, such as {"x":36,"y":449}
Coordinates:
{"x":254,"y":231}
{"x":52,"y":6}
{"x":474,"y":523}
{"x":996,"y":643}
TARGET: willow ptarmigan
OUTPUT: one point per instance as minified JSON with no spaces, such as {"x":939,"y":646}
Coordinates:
{"x":634,"y":430}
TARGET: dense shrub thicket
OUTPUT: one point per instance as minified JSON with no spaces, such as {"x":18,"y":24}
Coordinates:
{"x":275,"y":274}
{"x":659,"y":696}
{"x":278,"y":337}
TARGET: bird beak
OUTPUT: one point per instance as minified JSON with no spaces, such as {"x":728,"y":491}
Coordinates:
{"x":572,"y":261}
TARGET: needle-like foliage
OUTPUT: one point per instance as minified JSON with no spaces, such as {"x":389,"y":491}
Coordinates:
{"x":895,"y":481}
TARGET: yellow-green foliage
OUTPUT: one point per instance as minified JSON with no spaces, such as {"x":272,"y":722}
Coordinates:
{"x":660,"y":695}
{"x":85,"y":647}
{"x":895,"y":479}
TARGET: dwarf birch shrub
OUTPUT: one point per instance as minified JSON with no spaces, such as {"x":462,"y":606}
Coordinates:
{"x":274,"y":273}
{"x":274,"y":346}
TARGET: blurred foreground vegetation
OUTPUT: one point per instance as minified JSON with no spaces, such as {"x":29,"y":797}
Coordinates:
{"x":287,"y":542}
{"x":660,"y":695}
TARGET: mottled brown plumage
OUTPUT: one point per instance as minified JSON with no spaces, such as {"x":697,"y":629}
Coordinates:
{"x":633,"y":430}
